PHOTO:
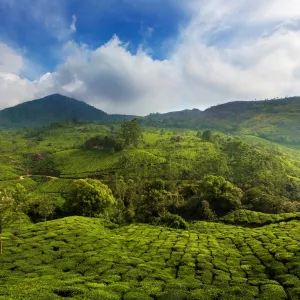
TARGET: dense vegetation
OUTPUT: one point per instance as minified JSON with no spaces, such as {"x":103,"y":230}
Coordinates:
{"x":85,"y":258}
{"x":198,"y":175}
{"x":147,"y":213}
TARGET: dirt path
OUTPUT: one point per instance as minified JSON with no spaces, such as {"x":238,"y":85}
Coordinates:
{"x":22,"y":177}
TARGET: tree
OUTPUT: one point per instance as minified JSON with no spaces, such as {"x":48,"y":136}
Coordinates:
{"x":207,"y":136}
{"x":12,"y":206}
{"x":260,"y":199}
{"x":45,"y":207}
{"x":90,"y":198}
{"x":207,"y":213}
{"x":153,"y":205}
{"x":21,"y":202}
{"x":221,"y":195}
{"x":6,"y":213}
{"x":131,"y":132}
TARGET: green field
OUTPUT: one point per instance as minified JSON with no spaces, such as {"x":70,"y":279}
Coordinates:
{"x":84,"y":258}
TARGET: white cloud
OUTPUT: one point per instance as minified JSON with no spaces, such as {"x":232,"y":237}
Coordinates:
{"x":73,"y":24}
{"x":10,"y":60}
{"x":115,"y":80}
{"x":233,"y":50}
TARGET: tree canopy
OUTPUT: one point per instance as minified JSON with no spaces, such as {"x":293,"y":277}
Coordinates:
{"x":221,"y":195}
{"x":90,"y":197}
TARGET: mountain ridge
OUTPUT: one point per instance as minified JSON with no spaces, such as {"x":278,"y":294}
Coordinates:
{"x":276,"y":120}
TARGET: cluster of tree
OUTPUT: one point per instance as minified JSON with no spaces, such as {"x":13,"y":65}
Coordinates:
{"x":129,"y":135}
{"x":150,"y":201}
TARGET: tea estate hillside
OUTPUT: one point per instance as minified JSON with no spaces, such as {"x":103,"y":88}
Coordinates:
{"x":48,"y":159}
{"x":88,"y":258}
{"x":276,"y":120}
{"x":124,"y":211}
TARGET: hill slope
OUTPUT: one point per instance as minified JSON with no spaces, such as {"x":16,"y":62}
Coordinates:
{"x":50,"y":109}
{"x":79,"y":258}
{"x":275,"y":120}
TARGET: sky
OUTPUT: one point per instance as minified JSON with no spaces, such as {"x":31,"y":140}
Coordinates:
{"x":146,"y":56}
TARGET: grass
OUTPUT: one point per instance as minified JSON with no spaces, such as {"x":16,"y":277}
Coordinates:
{"x":84,"y":258}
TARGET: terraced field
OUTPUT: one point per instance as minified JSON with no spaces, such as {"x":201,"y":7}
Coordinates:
{"x":84,"y":258}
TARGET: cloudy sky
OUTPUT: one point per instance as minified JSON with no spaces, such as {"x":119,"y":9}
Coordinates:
{"x":142,"y":56}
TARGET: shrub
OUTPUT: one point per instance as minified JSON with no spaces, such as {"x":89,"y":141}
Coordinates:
{"x":271,"y":291}
{"x":173,"y":221}
{"x":137,"y":296}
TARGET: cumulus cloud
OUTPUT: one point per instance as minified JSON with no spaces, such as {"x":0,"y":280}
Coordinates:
{"x":115,"y":80}
{"x":10,"y":60}
{"x":233,"y":50}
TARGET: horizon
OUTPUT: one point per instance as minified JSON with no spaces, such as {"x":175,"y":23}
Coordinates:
{"x":138,"y":57}
{"x":166,"y":112}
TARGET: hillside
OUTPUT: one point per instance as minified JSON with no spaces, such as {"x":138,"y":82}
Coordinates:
{"x":80,"y":258}
{"x":47,"y":160}
{"x":51,"y":109}
{"x":275,"y":120}
{"x":180,"y":215}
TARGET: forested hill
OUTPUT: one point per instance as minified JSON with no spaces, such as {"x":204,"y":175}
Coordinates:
{"x":51,"y":109}
{"x":276,"y":120}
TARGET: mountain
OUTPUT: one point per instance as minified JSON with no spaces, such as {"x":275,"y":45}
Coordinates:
{"x":277,"y":120}
{"x":50,"y":109}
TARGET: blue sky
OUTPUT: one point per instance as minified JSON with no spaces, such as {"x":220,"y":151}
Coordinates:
{"x":142,"y":56}
{"x":42,"y":30}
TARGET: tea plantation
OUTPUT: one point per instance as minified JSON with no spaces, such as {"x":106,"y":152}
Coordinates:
{"x":253,"y":218}
{"x":87,"y":258}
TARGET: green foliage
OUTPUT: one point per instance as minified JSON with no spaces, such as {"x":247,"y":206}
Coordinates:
{"x":222,"y":195}
{"x":90,"y":198}
{"x":253,"y":218}
{"x":13,"y":205}
{"x":81,"y":258}
{"x":100,"y":142}
{"x":206,"y":212}
{"x":207,"y":136}
{"x":44,"y":206}
{"x":130,"y":132}
{"x":173,"y":221}
{"x":259,"y":200}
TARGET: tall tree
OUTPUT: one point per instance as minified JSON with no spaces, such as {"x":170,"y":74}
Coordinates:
{"x":131,"y":132}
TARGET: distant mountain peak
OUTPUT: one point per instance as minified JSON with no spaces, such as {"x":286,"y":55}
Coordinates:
{"x":50,"y":109}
